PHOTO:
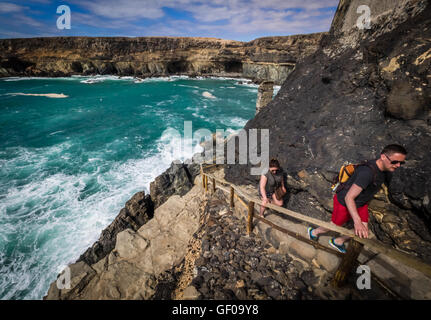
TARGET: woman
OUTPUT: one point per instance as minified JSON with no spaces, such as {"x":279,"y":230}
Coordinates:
{"x":268,"y":183}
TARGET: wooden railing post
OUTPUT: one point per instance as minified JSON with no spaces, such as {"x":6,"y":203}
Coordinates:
{"x":250,"y":217}
{"x":347,"y":263}
{"x":203,"y":179}
{"x":232,"y":193}
{"x":206,"y":183}
{"x":214,"y":185}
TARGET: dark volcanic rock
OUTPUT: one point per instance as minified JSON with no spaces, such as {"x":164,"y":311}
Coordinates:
{"x":177,"y":179}
{"x":356,"y":94}
{"x":237,"y":266}
{"x":138,"y":210}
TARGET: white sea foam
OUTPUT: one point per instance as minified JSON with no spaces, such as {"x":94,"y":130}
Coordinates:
{"x":236,"y":121}
{"x":61,"y":220}
{"x":53,"y":133}
{"x":48,"y":95}
{"x":248,"y":84}
{"x":187,"y":86}
{"x":100,"y":78}
{"x":195,"y":114}
{"x":209,"y":95}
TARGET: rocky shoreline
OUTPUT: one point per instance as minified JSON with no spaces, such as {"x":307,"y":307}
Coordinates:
{"x":270,"y":58}
{"x":178,"y":179}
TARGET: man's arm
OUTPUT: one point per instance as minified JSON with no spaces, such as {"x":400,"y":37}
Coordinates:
{"x":360,"y":229}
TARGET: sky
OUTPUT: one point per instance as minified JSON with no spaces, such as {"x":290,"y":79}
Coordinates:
{"x":242,"y":20}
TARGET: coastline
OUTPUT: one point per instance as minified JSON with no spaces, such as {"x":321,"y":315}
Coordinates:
{"x":266,"y":58}
{"x":129,"y":82}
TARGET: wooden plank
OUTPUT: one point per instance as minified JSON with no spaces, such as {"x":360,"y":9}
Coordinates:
{"x":347,"y":263}
{"x":250,"y":217}
{"x":299,"y":236}
{"x":214,"y":185}
{"x":235,"y":195}
{"x":203,"y":179}
{"x":241,"y":201}
{"x":231,"y":198}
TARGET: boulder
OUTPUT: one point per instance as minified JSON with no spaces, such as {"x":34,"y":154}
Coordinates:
{"x":177,"y":179}
{"x":137,"y":211}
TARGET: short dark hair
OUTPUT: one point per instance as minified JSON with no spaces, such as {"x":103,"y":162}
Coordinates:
{"x":394,"y":148}
{"x":273,"y":163}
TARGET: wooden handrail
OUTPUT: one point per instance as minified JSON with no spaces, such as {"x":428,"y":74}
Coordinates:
{"x":395,"y":254}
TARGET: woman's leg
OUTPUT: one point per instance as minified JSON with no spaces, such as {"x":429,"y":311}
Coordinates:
{"x":262,"y":206}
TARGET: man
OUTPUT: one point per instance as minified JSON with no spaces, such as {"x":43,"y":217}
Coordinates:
{"x":351,"y":202}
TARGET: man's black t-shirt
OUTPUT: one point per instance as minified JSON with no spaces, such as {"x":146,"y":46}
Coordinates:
{"x":364,"y":178}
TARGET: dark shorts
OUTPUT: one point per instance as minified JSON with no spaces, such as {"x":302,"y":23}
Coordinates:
{"x":340,"y":214}
{"x":268,"y":194}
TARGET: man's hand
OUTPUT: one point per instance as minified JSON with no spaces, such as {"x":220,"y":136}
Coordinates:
{"x":265,"y":201}
{"x":361,"y":230}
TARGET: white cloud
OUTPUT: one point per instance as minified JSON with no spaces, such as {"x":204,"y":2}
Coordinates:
{"x":233,"y":19}
{"x":123,"y":9}
{"x":6,"y":7}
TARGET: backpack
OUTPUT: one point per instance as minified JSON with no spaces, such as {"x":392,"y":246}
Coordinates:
{"x":346,"y":171}
{"x":279,"y":193}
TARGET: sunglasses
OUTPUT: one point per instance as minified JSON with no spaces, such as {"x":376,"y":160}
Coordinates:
{"x":395,"y":161}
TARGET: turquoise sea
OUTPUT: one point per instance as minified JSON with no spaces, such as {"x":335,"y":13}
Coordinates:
{"x":68,"y":165}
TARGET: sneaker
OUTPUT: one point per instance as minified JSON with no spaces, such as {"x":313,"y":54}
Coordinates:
{"x":340,"y":248}
{"x":310,"y":234}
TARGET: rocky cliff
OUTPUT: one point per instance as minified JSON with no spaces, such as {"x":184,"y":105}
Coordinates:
{"x":265,"y":58}
{"x":363,"y":89}
{"x":360,"y":90}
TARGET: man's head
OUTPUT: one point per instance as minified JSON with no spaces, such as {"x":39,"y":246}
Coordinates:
{"x":392,"y":157}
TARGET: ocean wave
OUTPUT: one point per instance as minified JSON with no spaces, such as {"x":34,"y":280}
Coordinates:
{"x":173,"y":146}
{"x":187,"y":86}
{"x":248,"y":84}
{"x":65,"y":211}
{"x":48,"y":95}
{"x":235,"y":121}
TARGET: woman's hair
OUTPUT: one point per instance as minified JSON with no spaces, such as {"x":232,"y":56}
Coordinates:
{"x":273,"y":163}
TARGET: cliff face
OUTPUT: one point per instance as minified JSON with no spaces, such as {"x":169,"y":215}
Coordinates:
{"x":138,"y":256}
{"x":362,"y":90}
{"x":358,"y":92}
{"x":269,"y":58}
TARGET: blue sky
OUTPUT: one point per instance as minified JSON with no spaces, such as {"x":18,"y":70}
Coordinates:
{"x":242,"y":20}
